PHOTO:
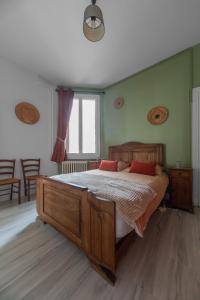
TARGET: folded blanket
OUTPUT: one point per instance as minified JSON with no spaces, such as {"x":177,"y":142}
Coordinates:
{"x":131,"y":198}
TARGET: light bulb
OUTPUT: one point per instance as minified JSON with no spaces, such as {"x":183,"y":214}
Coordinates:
{"x":93,"y":22}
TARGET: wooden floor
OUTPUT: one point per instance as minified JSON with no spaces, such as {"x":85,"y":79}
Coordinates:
{"x":36,"y":262}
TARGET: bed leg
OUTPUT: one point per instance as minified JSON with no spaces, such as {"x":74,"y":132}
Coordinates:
{"x":105,"y":273}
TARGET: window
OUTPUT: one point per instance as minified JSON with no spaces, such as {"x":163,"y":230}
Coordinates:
{"x":84,"y":127}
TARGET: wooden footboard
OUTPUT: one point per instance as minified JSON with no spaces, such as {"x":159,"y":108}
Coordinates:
{"x":81,"y":217}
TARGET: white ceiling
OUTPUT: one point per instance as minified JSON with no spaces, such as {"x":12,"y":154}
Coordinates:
{"x":45,"y":36}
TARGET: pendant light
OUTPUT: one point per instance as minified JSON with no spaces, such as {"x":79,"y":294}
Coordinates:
{"x":93,"y":24}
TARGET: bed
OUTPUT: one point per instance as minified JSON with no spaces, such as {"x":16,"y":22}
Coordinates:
{"x":94,"y":222}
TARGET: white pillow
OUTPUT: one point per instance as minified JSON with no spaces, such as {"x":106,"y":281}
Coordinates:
{"x":121,"y":165}
{"x":159,"y":170}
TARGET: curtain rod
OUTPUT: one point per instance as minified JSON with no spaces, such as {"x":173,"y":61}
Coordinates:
{"x":84,"y":91}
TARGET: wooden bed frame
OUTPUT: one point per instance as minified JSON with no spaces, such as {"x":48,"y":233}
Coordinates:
{"x":86,"y":220}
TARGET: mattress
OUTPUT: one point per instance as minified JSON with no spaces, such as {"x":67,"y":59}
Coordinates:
{"x":158,"y":183}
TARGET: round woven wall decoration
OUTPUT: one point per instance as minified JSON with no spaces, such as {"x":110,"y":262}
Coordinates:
{"x":158,"y":115}
{"x":119,"y":102}
{"x":27,"y":113}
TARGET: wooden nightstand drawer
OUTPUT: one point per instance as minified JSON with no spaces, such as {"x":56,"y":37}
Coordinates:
{"x":182,"y":173}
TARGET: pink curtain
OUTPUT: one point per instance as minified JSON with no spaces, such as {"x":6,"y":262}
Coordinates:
{"x":65,"y":101}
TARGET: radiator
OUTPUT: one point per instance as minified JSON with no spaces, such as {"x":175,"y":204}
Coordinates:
{"x":71,"y":166}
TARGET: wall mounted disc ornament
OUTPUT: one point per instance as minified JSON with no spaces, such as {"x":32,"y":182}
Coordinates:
{"x":119,"y":102}
{"x":27,"y":113}
{"x":158,"y":115}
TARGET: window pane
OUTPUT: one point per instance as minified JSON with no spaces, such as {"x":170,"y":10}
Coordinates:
{"x":74,"y":128}
{"x":88,"y":126}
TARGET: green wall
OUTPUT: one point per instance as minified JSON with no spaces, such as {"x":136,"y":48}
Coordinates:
{"x":168,"y":83}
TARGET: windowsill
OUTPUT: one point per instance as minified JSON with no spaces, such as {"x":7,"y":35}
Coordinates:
{"x":83,"y":156}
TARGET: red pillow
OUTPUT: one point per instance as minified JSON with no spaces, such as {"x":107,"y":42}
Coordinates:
{"x":108,"y":165}
{"x":143,"y":168}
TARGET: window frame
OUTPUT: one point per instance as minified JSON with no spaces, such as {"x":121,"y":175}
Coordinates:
{"x":95,"y":155}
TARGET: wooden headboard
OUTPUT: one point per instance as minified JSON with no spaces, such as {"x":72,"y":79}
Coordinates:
{"x":138,"y":151}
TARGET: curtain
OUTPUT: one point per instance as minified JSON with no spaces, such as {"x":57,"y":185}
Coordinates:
{"x":65,"y":102}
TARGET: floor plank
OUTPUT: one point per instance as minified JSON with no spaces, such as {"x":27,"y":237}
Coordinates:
{"x":36,"y":262}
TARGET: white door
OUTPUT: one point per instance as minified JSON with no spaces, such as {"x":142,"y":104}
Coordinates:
{"x":196,"y":145}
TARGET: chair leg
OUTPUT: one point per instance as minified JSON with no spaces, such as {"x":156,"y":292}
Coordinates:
{"x":25,"y":188}
{"x":11,"y":192}
{"x":29,"y":196}
{"x":19,"y":192}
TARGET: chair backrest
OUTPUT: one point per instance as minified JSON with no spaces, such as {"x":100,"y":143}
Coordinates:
{"x":30,"y":167}
{"x":7,"y":168}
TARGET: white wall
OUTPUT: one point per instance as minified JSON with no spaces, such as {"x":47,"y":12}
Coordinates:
{"x":19,"y":140}
{"x":196,"y":145}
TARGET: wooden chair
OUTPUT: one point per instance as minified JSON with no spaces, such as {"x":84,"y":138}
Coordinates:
{"x":11,"y":185}
{"x":31,"y":171}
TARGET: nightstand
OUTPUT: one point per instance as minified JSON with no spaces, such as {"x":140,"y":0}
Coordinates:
{"x":181,"y":188}
{"x":93,"y":164}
